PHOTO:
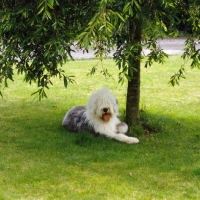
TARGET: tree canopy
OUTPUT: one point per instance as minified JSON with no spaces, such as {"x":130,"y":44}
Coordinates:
{"x":36,"y":37}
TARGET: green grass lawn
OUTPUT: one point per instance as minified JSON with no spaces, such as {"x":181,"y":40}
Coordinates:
{"x":41,"y":160}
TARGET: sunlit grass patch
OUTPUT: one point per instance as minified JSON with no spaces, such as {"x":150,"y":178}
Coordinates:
{"x":41,"y":160}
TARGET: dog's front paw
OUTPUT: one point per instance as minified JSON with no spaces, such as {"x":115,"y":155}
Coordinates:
{"x":132,"y":140}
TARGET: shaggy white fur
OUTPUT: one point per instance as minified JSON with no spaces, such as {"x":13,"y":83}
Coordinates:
{"x":99,"y":117}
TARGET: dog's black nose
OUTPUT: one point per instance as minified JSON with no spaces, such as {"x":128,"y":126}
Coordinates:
{"x":105,"y":110}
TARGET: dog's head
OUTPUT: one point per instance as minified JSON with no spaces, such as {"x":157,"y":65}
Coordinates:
{"x":102,"y":104}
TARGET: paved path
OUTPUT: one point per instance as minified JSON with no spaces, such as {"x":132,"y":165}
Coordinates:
{"x":170,"y":46}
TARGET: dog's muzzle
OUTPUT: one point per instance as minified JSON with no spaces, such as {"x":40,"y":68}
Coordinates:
{"x":106,"y":114}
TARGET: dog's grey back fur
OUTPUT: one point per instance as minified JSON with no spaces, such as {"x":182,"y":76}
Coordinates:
{"x":75,"y":120}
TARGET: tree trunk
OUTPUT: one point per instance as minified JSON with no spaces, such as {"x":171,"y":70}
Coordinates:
{"x":133,"y":90}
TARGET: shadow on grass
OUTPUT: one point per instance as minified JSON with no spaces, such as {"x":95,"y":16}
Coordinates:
{"x":44,"y":123}
{"x":40,"y":135}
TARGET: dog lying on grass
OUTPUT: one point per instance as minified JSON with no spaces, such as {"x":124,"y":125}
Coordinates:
{"x":99,"y":117}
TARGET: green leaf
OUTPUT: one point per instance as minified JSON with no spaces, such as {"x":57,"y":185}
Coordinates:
{"x":44,"y":94}
{"x":41,"y":9}
{"x":126,"y":7}
{"x":54,"y":25}
{"x":137,"y":5}
{"x":130,"y":11}
{"x":65,"y":81}
{"x":1,"y":94}
{"x":6,"y":82}
{"x":50,"y":3}
{"x":120,"y":16}
{"x":47,"y":13}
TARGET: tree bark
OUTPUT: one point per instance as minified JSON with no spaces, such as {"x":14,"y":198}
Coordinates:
{"x":133,"y":90}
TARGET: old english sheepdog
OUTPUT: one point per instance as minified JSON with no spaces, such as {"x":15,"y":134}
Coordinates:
{"x":99,"y":117}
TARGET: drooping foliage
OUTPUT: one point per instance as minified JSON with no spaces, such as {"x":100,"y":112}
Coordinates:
{"x":117,"y":22}
{"x":36,"y":38}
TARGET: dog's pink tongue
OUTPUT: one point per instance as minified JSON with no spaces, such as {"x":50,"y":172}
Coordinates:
{"x":106,"y":116}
